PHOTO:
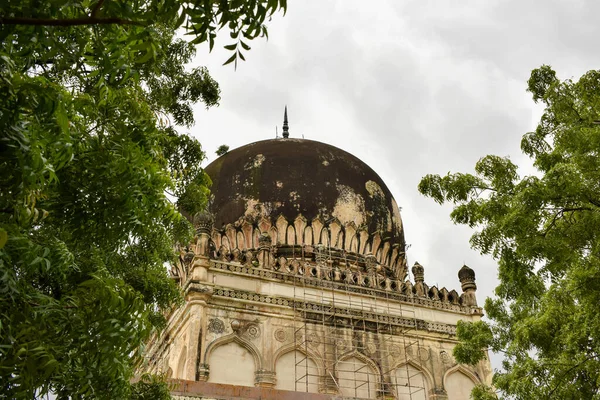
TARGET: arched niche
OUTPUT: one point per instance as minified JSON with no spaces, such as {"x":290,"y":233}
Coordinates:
{"x":458,"y":382}
{"x":232,"y":361}
{"x":296,"y":371}
{"x":411,"y":382}
{"x":357,"y":376}
{"x":181,"y":370}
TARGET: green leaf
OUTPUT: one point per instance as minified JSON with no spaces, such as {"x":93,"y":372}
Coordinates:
{"x":231,"y":59}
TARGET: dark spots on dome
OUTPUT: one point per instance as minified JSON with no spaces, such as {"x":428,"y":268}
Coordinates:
{"x":294,"y":176}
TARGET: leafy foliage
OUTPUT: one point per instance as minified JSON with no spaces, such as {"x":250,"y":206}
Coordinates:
{"x":543,"y":230}
{"x":91,"y":162}
{"x":150,"y":387}
{"x":223,"y":149}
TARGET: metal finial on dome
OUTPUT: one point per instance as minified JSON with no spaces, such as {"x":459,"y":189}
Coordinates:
{"x":286,"y":128}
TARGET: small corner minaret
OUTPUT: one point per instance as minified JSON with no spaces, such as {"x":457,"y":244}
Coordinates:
{"x":467,"y":280}
{"x":286,"y":128}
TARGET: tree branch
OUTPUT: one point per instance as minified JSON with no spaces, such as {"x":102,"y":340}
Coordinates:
{"x":68,"y":22}
{"x":96,"y":8}
{"x":560,"y":378}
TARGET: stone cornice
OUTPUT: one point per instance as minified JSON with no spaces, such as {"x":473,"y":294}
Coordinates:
{"x":394,"y":290}
{"x":320,"y":313}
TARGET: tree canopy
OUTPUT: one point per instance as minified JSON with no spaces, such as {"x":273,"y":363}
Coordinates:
{"x":544,"y":231}
{"x":94,"y":174}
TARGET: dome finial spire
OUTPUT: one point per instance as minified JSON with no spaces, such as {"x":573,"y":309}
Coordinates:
{"x":286,"y":128}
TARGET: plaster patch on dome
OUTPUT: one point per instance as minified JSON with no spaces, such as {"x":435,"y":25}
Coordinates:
{"x":254,"y":209}
{"x":374,"y":189}
{"x":349,"y":207}
{"x":256,"y":162}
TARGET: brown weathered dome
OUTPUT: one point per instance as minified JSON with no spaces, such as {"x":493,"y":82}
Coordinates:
{"x":297,"y":178}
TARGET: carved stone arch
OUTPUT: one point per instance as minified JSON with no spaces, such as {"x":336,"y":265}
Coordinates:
{"x":379,"y":255}
{"x":247,"y":230}
{"x":258,"y":361}
{"x":314,"y":357}
{"x":363,"y":242}
{"x":231,"y":234}
{"x":419,"y":367}
{"x":324,"y":237}
{"x":335,"y":227}
{"x":290,"y":236}
{"x":241,"y":240}
{"x":216,"y":237}
{"x":375,"y":243}
{"x":282,"y":224}
{"x":225,"y":243}
{"x":339,"y":242}
{"x":350,"y":237}
{"x":361,"y":357}
{"x":461,"y":368}
{"x":317,"y":226}
{"x":385,"y":253}
{"x":181,"y":362}
{"x":274,"y":235}
{"x":354,"y":243}
{"x":263,"y":225}
{"x":300,"y":225}
{"x":308,"y":236}
{"x":255,"y":236}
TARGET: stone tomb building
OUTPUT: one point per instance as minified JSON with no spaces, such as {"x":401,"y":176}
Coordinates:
{"x":296,"y":286}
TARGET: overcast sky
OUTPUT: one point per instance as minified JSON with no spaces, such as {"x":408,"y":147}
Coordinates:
{"x":409,"y":87}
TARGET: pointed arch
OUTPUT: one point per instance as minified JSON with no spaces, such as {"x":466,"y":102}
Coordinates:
{"x":458,"y":390}
{"x":297,"y":368}
{"x":296,"y":347}
{"x":258,"y":361}
{"x":290,"y":237}
{"x":324,"y":237}
{"x":241,"y":240}
{"x":363,"y":358}
{"x":461,"y":368}
{"x":429,"y":381}
{"x":308,"y":236}
{"x":353,"y":379}
{"x":181,"y":362}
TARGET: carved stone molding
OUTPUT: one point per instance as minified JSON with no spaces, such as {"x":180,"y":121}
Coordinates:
{"x":265,"y":378}
{"x":215,"y":325}
{"x":280,"y":335}
{"x":314,"y":311}
{"x":252,"y":330}
{"x":203,"y":372}
{"x":348,"y":281}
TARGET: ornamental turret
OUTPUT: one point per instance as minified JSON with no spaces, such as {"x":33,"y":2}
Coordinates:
{"x":467,"y":280}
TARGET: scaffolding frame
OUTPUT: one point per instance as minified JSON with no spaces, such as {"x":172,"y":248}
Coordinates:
{"x":350,"y":328}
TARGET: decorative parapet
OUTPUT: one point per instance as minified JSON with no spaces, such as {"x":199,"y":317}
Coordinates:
{"x":354,"y":281}
{"x":373,"y":321}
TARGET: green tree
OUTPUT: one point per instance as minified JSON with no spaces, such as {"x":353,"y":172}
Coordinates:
{"x":223,"y":149}
{"x":544,"y":231}
{"x":93,"y":176}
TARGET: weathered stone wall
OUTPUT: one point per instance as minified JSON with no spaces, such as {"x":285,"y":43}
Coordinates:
{"x":242,"y":327}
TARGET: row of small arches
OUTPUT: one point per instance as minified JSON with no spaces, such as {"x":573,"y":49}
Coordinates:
{"x":235,"y":362}
{"x":347,"y":237}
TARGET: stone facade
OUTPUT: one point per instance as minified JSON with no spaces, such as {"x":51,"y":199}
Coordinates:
{"x":278,"y":305}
